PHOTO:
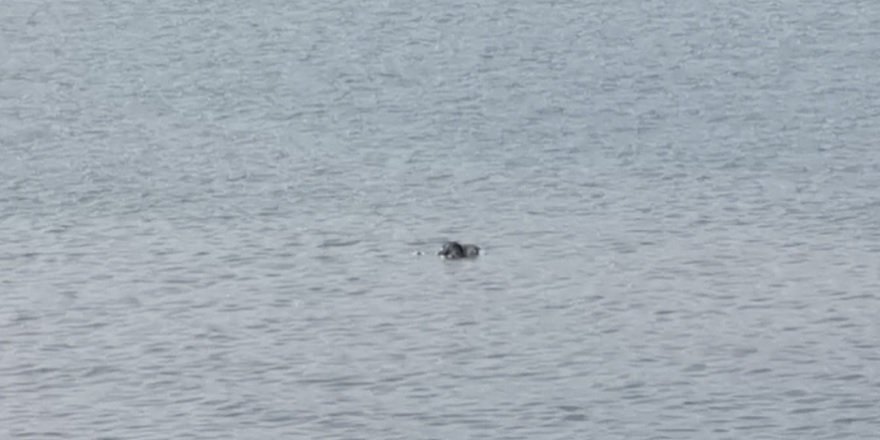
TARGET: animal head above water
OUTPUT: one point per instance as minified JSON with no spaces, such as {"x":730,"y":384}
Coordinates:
{"x":453,"y":250}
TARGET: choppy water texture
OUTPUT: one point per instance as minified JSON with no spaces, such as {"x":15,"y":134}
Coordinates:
{"x":208,"y":214}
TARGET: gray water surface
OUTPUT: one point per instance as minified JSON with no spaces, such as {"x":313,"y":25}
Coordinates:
{"x":209,"y":213}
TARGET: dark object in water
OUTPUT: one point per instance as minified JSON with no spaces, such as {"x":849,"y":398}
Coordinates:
{"x":453,"y":250}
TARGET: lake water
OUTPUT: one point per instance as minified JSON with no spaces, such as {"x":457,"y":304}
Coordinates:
{"x":210,"y":213}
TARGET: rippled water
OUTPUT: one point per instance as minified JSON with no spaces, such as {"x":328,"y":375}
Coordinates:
{"x":209,"y":213}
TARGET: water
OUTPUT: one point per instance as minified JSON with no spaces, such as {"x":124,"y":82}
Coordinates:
{"x":209,"y":213}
